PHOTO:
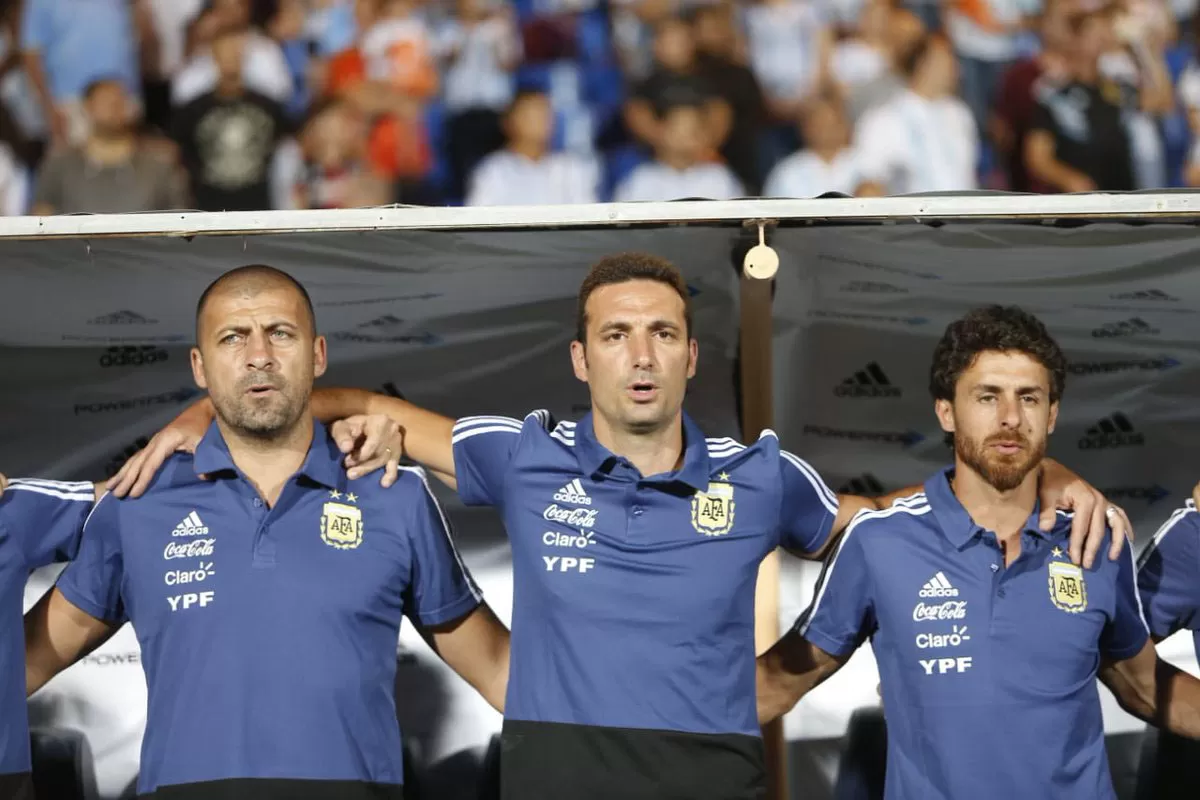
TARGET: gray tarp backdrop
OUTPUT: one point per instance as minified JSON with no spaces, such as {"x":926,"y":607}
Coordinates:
{"x":94,"y":337}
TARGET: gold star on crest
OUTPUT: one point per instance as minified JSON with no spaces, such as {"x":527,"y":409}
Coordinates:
{"x":352,"y":498}
{"x":1057,"y":552}
{"x":724,"y":476}
{"x":335,"y":494}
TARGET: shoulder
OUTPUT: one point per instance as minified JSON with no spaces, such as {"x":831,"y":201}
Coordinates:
{"x":538,"y":420}
{"x":724,"y":451}
{"x":1182,"y":522}
{"x":29,"y":495}
{"x":907,"y":511}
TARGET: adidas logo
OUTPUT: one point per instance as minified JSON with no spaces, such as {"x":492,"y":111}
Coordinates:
{"x":573,"y":492}
{"x":1153,"y":295}
{"x":872,"y":287}
{"x":865,"y":485}
{"x":1112,"y":431}
{"x":122,"y":318}
{"x":870,"y":381}
{"x":191,"y":526}
{"x":938,"y":586}
{"x":1130,"y":327}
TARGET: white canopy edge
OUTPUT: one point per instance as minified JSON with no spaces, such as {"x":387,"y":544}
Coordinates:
{"x":912,"y":208}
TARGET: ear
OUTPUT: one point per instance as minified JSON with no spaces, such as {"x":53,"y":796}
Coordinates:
{"x":579,"y":360}
{"x":693,"y":357}
{"x":1053,"y":417}
{"x":198,"y":368}
{"x":320,"y":361}
{"x":945,"y":414}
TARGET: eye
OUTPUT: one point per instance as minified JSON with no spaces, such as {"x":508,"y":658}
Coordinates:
{"x":1029,"y":399}
{"x":614,"y":335}
{"x":987,"y":398}
{"x":279,"y":333}
{"x":665,"y":334}
{"x":230,"y":338}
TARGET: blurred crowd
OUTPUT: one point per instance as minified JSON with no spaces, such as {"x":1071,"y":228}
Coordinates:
{"x":142,"y":105}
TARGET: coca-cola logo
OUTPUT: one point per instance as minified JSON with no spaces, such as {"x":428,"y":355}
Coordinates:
{"x":575,"y":517}
{"x":192,"y":549}
{"x":951,"y":609}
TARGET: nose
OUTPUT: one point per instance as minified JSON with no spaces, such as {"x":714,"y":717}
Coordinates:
{"x":1010,"y":413}
{"x":259,"y":353}
{"x":643,"y":351}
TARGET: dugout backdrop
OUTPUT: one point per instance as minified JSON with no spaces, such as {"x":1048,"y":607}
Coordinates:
{"x":94,"y":336}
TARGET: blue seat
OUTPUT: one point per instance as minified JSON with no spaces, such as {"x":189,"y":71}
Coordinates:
{"x":619,"y":163}
{"x":435,"y":129}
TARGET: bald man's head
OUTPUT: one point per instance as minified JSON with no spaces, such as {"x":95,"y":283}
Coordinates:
{"x":251,"y":280}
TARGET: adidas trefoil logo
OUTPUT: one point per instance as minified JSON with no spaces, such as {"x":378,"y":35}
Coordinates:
{"x":1115,"y":430}
{"x":191,"y":526}
{"x":938,"y":586}
{"x":1133,"y":326}
{"x":573,"y":492}
{"x":870,"y":381}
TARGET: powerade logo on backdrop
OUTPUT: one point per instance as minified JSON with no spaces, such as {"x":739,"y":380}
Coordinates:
{"x":131,"y":356}
{"x":1111,"y":432}
{"x":1151,"y":364}
{"x":905,"y":438}
{"x":388,"y":329}
{"x":176,"y":397}
{"x":1134,"y":326}
{"x":871,"y":287}
{"x":1147,"y":295}
{"x":832,"y":259}
{"x":1147,"y":494}
{"x":870,"y":381}
{"x":852,"y":316}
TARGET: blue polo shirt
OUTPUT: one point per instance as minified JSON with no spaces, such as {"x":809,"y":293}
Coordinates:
{"x":632,"y":661}
{"x":268,"y":635}
{"x":1169,"y":575}
{"x":987,"y":672}
{"x":40,"y":523}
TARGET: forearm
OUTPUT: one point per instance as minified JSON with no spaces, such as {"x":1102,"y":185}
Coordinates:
{"x":56,"y":636}
{"x":789,"y":670}
{"x":37,"y":76}
{"x":1175,"y":704}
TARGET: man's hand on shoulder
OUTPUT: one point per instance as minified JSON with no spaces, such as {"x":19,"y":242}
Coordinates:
{"x":370,"y":441}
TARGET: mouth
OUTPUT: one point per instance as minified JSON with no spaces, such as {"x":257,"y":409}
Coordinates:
{"x":1007,"y":448}
{"x":642,"y":391}
{"x":264,"y":390}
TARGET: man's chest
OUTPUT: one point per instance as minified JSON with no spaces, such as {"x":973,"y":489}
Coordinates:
{"x":667,"y":548}
{"x":322,"y":557}
{"x":971,"y":631}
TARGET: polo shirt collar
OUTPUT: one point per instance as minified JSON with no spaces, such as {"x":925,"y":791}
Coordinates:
{"x":323,"y":464}
{"x":957,"y":525}
{"x":595,"y":458}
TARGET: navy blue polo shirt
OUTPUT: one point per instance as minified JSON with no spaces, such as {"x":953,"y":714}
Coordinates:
{"x":632,"y":661}
{"x":40,"y":523}
{"x":268,"y":635}
{"x":1169,"y":575}
{"x":988,"y":673}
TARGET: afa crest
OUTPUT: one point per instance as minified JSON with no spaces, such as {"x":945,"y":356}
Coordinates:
{"x":1067,"y":589}
{"x":341,"y":526}
{"x":712,"y":511}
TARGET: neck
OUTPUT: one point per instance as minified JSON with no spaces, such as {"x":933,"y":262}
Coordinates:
{"x":676,"y":162}
{"x":1003,"y":513}
{"x":531,"y":150}
{"x":109,"y":149}
{"x":653,"y":453}
{"x":1086,"y":70}
{"x":269,"y":463}
{"x":827,"y":154}
{"x":923,"y":90}
{"x":229,"y":87}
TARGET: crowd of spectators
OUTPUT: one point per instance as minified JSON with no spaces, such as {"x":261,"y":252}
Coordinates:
{"x":142,"y":105}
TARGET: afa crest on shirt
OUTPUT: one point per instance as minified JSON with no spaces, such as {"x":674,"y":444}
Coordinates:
{"x":341,"y":526}
{"x":712,"y":511}
{"x":1067,"y":589}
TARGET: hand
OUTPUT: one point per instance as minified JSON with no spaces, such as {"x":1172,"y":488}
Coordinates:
{"x":370,"y":442}
{"x":180,"y":436}
{"x":1061,"y":488}
{"x":1195,"y":492}
{"x":3,"y":483}
{"x":1078,"y":182}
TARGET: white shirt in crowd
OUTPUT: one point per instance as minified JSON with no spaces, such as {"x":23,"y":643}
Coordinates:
{"x":102,"y":697}
{"x":783,"y":41}
{"x":1145,"y":137}
{"x":476,"y":79}
{"x":506,"y":178}
{"x":972,"y":40}
{"x":805,"y":174}
{"x":912,"y":144}
{"x":264,"y":70}
{"x":854,"y":63}
{"x":657,"y":181}
{"x":171,"y":19}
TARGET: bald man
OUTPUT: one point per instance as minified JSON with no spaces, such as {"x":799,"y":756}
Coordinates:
{"x":267,"y":596}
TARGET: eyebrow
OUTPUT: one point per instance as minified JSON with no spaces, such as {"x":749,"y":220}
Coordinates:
{"x":993,"y":389}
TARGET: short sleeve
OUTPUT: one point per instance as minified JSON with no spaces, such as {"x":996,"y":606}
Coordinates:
{"x":483,"y":449}
{"x":92,"y":582}
{"x":1043,"y":120}
{"x":35,"y":25}
{"x":46,"y":517}
{"x":1167,"y":575}
{"x":1126,"y":633}
{"x":841,"y":615}
{"x":440,"y":587}
{"x":807,"y":507}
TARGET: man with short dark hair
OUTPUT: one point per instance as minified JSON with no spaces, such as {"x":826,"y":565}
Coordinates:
{"x":266,"y":591}
{"x":108,"y":173}
{"x":988,"y":638}
{"x":636,"y":544}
